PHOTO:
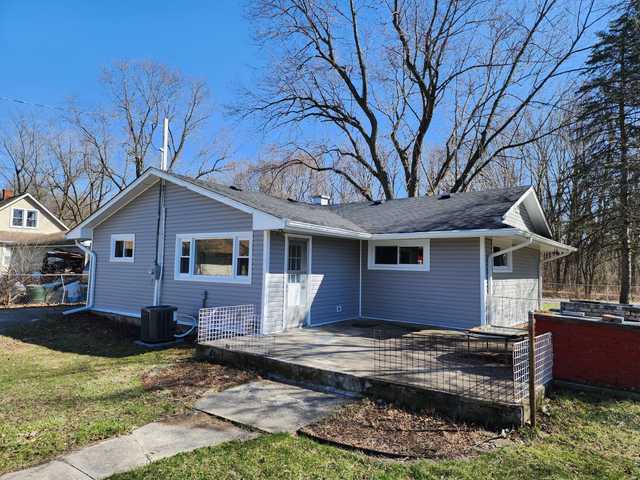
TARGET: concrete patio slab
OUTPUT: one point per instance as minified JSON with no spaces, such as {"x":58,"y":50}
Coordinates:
{"x":109,"y":457}
{"x":55,"y":470}
{"x":271,"y":406}
{"x":165,"y":439}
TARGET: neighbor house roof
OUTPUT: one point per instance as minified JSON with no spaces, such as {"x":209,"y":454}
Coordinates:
{"x":452,"y":214}
{"x":27,"y":196}
{"x":34,"y":239}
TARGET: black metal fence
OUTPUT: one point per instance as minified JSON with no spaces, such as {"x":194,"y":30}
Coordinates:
{"x":455,"y":363}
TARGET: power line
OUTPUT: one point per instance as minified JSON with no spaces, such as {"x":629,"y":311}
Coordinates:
{"x":43,"y":105}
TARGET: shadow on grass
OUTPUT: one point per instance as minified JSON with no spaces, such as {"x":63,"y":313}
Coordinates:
{"x":83,"y":334}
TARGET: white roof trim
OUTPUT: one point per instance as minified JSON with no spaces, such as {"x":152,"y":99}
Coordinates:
{"x":533,"y":207}
{"x":84,"y":229}
{"x":40,"y":207}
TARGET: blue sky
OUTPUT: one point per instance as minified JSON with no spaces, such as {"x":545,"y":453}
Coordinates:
{"x":55,"y":50}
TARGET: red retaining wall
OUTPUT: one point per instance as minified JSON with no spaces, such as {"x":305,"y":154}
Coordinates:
{"x":593,"y":352}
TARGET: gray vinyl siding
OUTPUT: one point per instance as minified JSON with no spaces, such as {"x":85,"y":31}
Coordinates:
{"x":275,"y":282}
{"x":188,"y":212}
{"x":522,"y":281}
{"x":334,"y":279}
{"x":127,"y":286}
{"x":448,"y":295}
{"x":521,"y":219}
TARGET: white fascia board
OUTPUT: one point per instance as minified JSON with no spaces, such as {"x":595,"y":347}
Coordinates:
{"x":547,"y":242}
{"x":501,"y":232}
{"x":121,"y":199}
{"x":261,"y":220}
{"x":264,"y":221}
{"x":534,"y":208}
{"x":310,"y":228}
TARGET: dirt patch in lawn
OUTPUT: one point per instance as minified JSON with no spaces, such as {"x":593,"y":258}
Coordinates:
{"x":388,"y":430}
{"x":188,"y":379}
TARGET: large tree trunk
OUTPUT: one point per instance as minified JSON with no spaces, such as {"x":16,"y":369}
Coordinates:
{"x":624,"y":223}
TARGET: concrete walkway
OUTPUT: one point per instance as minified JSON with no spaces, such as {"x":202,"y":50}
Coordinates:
{"x":143,"y":446}
{"x":262,"y":406}
{"x":270,"y":407}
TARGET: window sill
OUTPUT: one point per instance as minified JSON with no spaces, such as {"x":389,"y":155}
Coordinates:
{"x":401,"y":268}
{"x":502,"y":270}
{"x":23,"y":227}
{"x":121,"y":260}
{"x":209,"y":279}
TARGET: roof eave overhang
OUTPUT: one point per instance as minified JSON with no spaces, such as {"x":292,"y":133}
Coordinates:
{"x":261,"y":220}
{"x":530,"y":200}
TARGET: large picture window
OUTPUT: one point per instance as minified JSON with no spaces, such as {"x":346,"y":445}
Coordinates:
{"x":399,"y":255}
{"x":214,"y":257}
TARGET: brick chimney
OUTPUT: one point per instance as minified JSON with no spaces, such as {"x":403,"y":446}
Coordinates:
{"x":7,"y":193}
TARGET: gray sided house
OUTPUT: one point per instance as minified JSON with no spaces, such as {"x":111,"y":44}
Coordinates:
{"x":454,"y":261}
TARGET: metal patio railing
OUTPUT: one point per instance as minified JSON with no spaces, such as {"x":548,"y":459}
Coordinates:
{"x":483,"y":368}
{"x":234,"y":327}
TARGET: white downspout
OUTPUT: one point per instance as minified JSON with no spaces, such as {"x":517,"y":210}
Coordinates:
{"x":490,"y":271}
{"x":92,"y":281}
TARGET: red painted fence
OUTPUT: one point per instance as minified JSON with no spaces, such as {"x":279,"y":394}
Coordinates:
{"x":594,"y":352}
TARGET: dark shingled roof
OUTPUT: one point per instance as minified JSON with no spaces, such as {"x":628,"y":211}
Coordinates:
{"x":298,"y":211}
{"x":461,"y":211}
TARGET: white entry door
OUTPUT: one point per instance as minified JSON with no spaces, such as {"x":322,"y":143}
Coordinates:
{"x":297,"y":282}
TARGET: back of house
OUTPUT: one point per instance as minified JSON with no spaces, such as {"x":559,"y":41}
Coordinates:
{"x":455,"y":261}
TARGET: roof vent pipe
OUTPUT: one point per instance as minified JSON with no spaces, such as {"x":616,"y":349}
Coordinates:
{"x":444,"y":196}
{"x":321,"y":199}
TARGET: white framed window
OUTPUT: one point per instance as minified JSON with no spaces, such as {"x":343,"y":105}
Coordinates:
{"x":412,"y":255}
{"x":502,"y":263}
{"x":23,"y":218}
{"x":214,"y":257}
{"x":123,"y":247}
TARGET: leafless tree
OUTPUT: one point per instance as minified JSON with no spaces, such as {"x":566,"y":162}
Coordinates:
{"x":369,"y":78}
{"x":144,"y":93}
{"x":22,"y":144}
{"x":77,"y":181}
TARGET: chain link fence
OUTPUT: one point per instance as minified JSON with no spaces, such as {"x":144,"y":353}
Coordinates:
{"x":43,"y":289}
{"x":601,"y":291}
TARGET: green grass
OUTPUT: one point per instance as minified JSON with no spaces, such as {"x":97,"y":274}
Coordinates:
{"x":584,"y":436}
{"x":66,"y":383}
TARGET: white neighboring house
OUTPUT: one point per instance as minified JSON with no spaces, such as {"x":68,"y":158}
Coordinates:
{"x":27,"y":224}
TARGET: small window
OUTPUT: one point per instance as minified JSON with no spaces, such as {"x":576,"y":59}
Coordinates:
{"x":215,"y":257}
{"x":242,"y":264}
{"x":17,"y":218}
{"x":122,"y":248}
{"x":32,"y":218}
{"x":185,"y":256}
{"x":502,"y":263}
{"x":399,"y":255}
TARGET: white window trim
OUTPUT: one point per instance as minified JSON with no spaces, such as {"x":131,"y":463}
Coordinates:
{"x":233,"y":278}
{"x":417,"y":242}
{"x":112,"y":251}
{"x":502,"y":244}
{"x":24,"y":218}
